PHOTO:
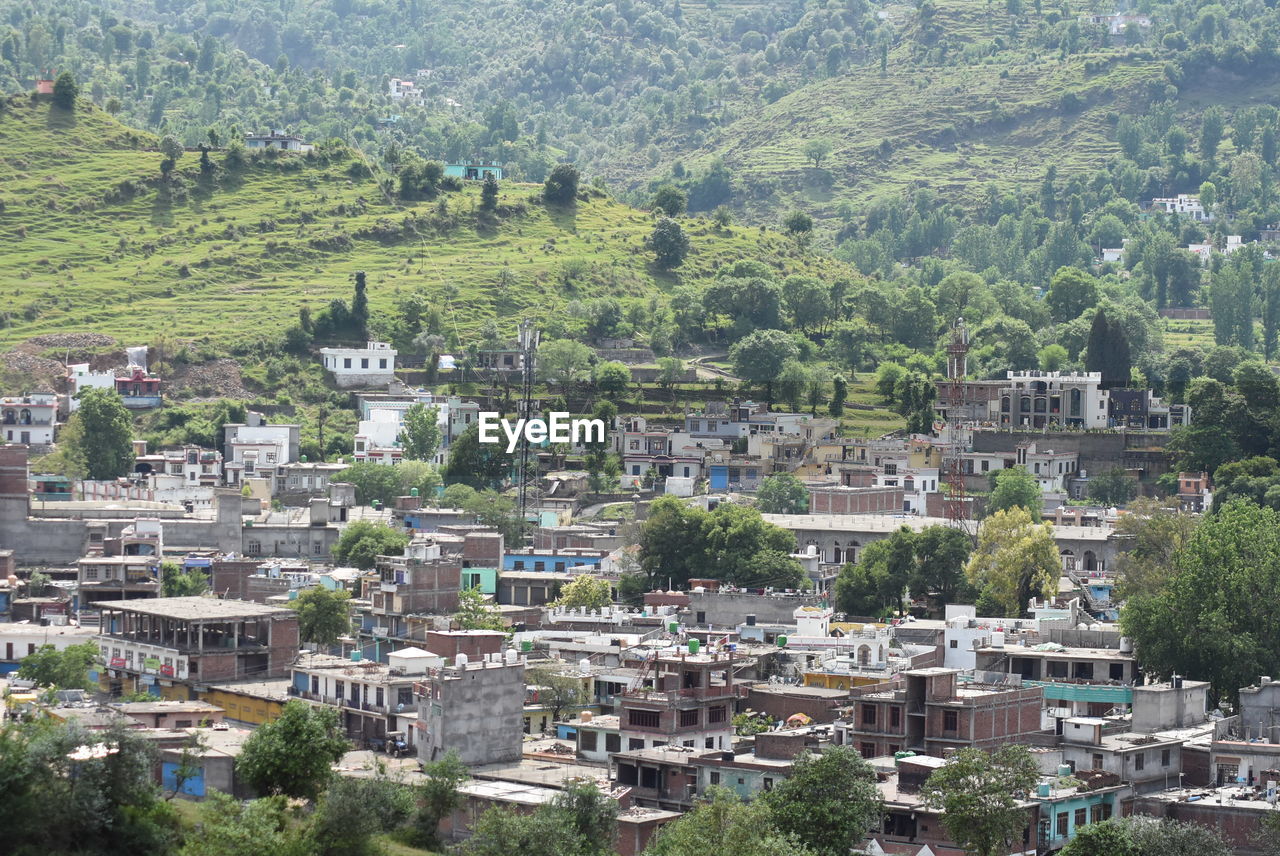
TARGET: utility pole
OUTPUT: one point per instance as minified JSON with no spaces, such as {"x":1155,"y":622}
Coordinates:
{"x":528,"y":351}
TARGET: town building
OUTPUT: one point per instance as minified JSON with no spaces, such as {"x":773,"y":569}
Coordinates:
{"x":421,"y":582}
{"x":1039,"y":399}
{"x":80,"y":377}
{"x":932,"y":711}
{"x":182,"y":642}
{"x":473,"y":170}
{"x":1184,"y":204}
{"x":472,"y":708}
{"x":372,"y":365}
{"x":256,"y":450}
{"x":186,"y":476}
{"x":278,"y":140}
{"x":139,"y":390}
{"x":681,"y":700}
{"x":1077,"y":681}
{"x":373,"y":699}
{"x":29,"y":419}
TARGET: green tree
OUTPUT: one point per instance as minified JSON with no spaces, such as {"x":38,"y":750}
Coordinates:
{"x":1175,"y":838}
{"x":979,"y":795}
{"x":670,"y":373}
{"x":1153,"y":532}
{"x":420,"y":433}
{"x":782,"y":493}
{"x":174,"y":582}
{"x":672,"y":544}
{"x":1112,"y":487}
{"x":376,"y":482}
{"x":363,"y":541}
{"x":797,"y":224}
{"x":720,"y":824}
{"x":564,"y":362}
{"x":1014,"y":487}
{"x":758,"y":359}
{"x":323,"y":615}
{"x":1071,"y":292}
{"x":669,"y":243}
{"x":1015,"y":559}
{"x":1108,"y":350}
{"x":354,"y":810}
{"x":839,"y":394}
{"x":229,"y":827}
{"x":1052,"y":357}
{"x":941,"y":554}
{"x":437,"y":797}
{"x":888,"y":376}
{"x":1211,"y":618}
{"x":592,"y":814}
{"x":1109,"y":838}
{"x":561,"y":186}
{"x":489,"y":193}
{"x":104,"y":439}
{"x":293,"y":755}
{"x":816,"y":151}
{"x":612,"y":378}
{"x":828,"y":803}
{"x":557,"y":692}
{"x":67,"y":669}
{"x":65,"y":91}
{"x":476,"y":464}
{"x":669,"y":199}
{"x":585,"y":592}
{"x":501,"y":831}
{"x":475,"y":613}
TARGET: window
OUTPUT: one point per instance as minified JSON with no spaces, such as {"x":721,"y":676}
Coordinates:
{"x":635,"y":743}
{"x":1080,"y":818}
{"x":1064,"y":823}
{"x":868,"y":714}
{"x":1097,"y":760}
{"x":895,"y":716}
{"x":955,"y":643}
{"x":90,"y":573}
{"x":526,"y":725}
{"x":379,"y":698}
{"x":404,"y":696}
{"x":587,"y":741}
{"x":714,"y":777}
{"x":868,"y":750}
{"x":613,"y":743}
{"x":644,"y":718}
{"x":709,"y":743}
{"x":338,"y":688}
{"x":716,"y":714}
{"x":364,"y":362}
{"x":382,"y":363}
{"x":346,"y":363}
{"x":688,"y":718}
{"x":768,"y":783}
{"x":1139,"y":761}
{"x":1165,"y":756}
{"x":950,"y":720}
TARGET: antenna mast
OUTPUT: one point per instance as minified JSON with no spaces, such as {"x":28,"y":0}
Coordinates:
{"x":956,"y":508}
{"x":528,"y":352}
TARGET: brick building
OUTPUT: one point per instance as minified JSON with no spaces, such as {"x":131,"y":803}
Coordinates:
{"x":180,"y":642}
{"x":688,"y":702}
{"x":855,"y":500}
{"x":929,"y":711}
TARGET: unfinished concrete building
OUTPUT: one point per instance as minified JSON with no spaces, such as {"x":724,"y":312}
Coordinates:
{"x":472,"y":708}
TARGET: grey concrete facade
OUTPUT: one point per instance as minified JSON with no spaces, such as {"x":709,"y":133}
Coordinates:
{"x":475,"y":709}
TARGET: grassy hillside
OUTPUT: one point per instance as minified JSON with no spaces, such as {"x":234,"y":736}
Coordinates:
{"x":951,"y":124}
{"x":97,"y":241}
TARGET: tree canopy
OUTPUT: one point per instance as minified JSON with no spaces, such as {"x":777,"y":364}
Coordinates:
{"x":323,"y":615}
{"x":363,"y":541}
{"x":292,"y":755}
{"x":782,"y":493}
{"x":979,"y":795}
{"x":1015,"y":560}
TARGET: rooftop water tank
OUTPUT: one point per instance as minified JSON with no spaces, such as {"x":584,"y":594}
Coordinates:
{"x":510,"y":656}
{"x":584,"y":665}
{"x":997,"y":639}
{"x":1064,"y":770}
{"x":460,"y":661}
{"x":1126,"y":645}
{"x":1042,"y":790}
{"x":694,"y":645}
{"x":356,"y":656}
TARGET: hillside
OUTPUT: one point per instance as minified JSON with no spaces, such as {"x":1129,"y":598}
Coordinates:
{"x":98,"y":242}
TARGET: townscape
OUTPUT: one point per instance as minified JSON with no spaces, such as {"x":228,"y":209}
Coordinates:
{"x":640,"y":428}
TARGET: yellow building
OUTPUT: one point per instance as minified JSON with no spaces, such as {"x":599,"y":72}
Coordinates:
{"x":253,"y":702}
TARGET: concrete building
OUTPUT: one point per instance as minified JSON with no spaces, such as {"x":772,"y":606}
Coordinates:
{"x":181,"y":642}
{"x":421,"y":582}
{"x":684,"y":700}
{"x":19,"y":640}
{"x":29,"y":419}
{"x":1076,"y":681}
{"x":1038,"y":399}
{"x":80,"y":378}
{"x":473,"y":708}
{"x":373,"y":699}
{"x":931,"y":711}
{"x":372,"y":365}
{"x":186,"y":476}
{"x":767,"y":762}
{"x":171,"y":714}
{"x":256,"y":450}
{"x":1185,"y":204}
{"x":277,"y":140}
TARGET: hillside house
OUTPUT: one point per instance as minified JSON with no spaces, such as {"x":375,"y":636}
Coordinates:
{"x":138,"y":389}
{"x":29,"y":419}
{"x":80,"y":378}
{"x":405,"y":91}
{"x":473,"y":171}
{"x":277,"y":140}
{"x":372,"y":365}
{"x":1185,"y":204}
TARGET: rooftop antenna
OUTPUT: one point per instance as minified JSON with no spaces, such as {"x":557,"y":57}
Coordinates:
{"x":955,"y":507}
{"x":529,"y":337}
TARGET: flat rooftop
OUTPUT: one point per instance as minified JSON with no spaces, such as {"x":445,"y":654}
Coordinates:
{"x":197,"y":608}
{"x":890,"y":523}
{"x":1070,"y":653}
{"x":165,"y":707}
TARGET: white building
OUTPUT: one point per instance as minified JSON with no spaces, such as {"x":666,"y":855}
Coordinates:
{"x":377,"y":438}
{"x":372,"y":365}
{"x":276,"y":139}
{"x":80,"y":378}
{"x":258,"y":451}
{"x":1205,"y":251}
{"x":185,"y":476}
{"x":29,"y":418}
{"x":1038,"y":399}
{"x":1184,"y":203}
{"x":405,"y":91}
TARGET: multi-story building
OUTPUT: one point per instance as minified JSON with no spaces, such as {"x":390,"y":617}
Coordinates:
{"x":473,"y":708}
{"x":1075,"y":681}
{"x":931,"y":711}
{"x":372,"y":698}
{"x":257,"y":450}
{"x":139,"y":390}
{"x":183,"y":476}
{"x":377,"y":439}
{"x":421,"y":582}
{"x":80,"y":378}
{"x":1186,"y":204}
{"x":1038,"y":399}
{"x":372,"y":365}
{"x":684,"y":700}
{"x":183,"y":642}
{"x":29,"y":419}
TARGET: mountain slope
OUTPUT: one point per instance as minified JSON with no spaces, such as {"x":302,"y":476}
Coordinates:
{"x":97,"y":241}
